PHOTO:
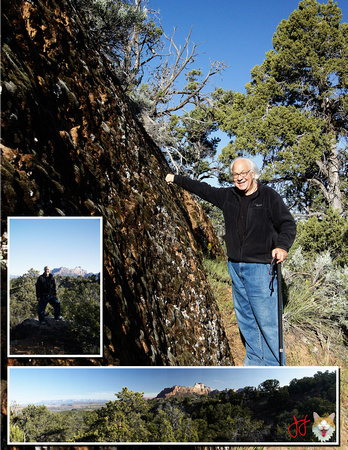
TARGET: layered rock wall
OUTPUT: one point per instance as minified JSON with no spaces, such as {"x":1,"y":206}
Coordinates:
{"x":71,"y":146}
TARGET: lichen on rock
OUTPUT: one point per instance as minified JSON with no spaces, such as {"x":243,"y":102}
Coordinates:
{"x":72,"y":146}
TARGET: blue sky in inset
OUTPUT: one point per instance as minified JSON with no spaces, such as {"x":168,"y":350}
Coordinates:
{"x":69,"y":242}
{"x":35,"y":384}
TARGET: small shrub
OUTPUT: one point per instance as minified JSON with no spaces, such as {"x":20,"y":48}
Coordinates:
{"x":317,"y":295}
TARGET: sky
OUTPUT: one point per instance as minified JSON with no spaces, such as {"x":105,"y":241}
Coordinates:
{"x":236,"y":32}
{"x":37,"y":242}
{"x":102,"y":383}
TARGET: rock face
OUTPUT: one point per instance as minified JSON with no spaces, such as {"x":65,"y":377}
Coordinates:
{"x":71,"y":146}
{"x":182,"y":391}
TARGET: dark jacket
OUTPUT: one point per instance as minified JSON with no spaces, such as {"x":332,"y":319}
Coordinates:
{"x":269,"y":223}
{"x":45,"y":286}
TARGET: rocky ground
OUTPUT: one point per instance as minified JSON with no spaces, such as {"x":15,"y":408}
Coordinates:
{"x":54,"y":338}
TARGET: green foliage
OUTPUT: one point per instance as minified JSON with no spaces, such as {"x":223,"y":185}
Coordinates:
{"x":171,"y":424}
{"x":35,"y":424}
{"x":120,"y":421}
{"x":269,"y":386}
{"x":162,"y":430}
{"x":125,"y":32}
{"x":217,"y":270}
{"x":316,"y":296}
{"x":320,"y":234}
{"x":16,"y":434}
{"x":293,"y":113}
{"x":80,"y":300}
{"x":23,"y":303}
{"x":191,"y":134}
{"x":323,"y":387}
{"x":38,"y":424}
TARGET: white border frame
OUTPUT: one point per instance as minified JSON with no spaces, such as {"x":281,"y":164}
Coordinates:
{"x":229,"y":444}
{"x":101,"y":265}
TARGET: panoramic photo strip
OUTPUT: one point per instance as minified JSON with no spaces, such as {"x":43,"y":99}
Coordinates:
{"x":206,"y":405}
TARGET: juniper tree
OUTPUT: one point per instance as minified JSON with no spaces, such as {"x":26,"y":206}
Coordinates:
{"x":119,"y":421}
{"x":34,"y":424}
{"x":294,"y":111}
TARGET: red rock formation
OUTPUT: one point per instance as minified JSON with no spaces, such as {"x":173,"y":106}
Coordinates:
{"x":182,"y":391}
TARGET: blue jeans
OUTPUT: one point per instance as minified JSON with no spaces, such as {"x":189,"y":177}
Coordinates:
{"x":256,"y":306}
{"x":52,"y":300}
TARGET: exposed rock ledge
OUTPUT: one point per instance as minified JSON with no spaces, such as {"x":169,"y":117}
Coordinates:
{"x":53,"y":338}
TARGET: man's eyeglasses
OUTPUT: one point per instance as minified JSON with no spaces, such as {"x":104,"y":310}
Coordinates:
{"x":243,"y":174}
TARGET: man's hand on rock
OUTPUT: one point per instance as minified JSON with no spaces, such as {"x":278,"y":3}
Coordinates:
{"x":170,"y":178}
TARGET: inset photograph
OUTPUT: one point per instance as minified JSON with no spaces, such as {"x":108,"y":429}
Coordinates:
{"x":55,"y":286}
{"x":201,"y":405}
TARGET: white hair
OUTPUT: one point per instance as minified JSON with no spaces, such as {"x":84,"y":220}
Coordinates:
{"x":252,"y":165}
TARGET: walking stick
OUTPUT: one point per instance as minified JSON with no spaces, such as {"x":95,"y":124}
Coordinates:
{"x":280,"y":314}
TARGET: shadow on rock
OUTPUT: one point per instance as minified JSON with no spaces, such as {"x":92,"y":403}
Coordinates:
{"x":53,"y":338}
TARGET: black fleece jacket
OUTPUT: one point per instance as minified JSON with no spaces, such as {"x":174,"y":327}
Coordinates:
{"x":45,"y":286}
{"x":268,"y":225}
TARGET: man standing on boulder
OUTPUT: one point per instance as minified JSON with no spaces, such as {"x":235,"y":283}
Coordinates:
{"x":259,"y":230}
{"x":46,"y":293}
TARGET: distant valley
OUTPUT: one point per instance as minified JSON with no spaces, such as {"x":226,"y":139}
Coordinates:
{"x":87,"y":404}
{"x":69,"y":405}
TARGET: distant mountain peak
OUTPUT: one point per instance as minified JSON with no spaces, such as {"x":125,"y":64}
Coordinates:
{"x":65,"y":272}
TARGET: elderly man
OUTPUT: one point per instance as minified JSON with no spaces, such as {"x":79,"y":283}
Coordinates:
{"x":259,"y":228}
{"x":46,"y":293}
